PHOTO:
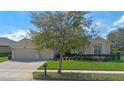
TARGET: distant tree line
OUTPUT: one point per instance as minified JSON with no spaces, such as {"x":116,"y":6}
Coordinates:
{"x":116,"y":39}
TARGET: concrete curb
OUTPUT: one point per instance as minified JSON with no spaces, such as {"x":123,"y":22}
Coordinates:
{"x":85,"y":71}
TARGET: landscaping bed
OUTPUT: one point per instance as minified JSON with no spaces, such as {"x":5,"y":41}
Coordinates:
{"x":116,"y":65}
{"x":105,"y":57}
{"x":78,"y":76}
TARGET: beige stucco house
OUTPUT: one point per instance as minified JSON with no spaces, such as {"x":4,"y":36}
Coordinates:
{"x":25,"y":49}
{"x":97,"y":45}
{"x":5,"y":45}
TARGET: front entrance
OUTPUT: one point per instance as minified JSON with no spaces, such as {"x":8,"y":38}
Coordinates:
{"x":98,"y":49}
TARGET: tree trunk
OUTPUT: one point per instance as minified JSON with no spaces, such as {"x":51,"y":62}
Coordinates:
{"x":39,"y":55}
{"x":60,"y":64}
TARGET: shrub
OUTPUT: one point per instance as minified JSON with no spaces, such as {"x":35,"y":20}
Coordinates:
{"x":118,"y":55}
{"x":107,"y":57}
{"x":5,"y":54}
{"x":9,"y":57}
{"x":113,"y":56}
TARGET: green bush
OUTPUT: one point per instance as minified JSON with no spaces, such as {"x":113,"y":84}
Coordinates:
{"x":5,"y":54}
{"x":9,"y":57}
{"x":90,"y":56}
{"x":118,"y":55}
{"x":113,"y":56}
{"x":86,"y":57}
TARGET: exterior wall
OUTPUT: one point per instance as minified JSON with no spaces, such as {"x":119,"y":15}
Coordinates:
{"x":46,"y":54}
{"x":104,"y":44}
{"x":5,"y":45}
{"x":55,"y":51}
{"x":25,"y":43}
{"x":90,"y":50}
{"x":5,"y":49}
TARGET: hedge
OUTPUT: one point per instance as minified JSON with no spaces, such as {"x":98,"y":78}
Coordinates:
{"x":5,"y":54}
{"x":84,"y":56}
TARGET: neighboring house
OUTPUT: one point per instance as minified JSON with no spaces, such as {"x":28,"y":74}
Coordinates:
{"x":97,"y":45}
{"x":5,"y":45}
{"x":25,"y":49}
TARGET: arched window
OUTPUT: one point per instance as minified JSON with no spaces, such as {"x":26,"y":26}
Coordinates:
{"x":98,"y":49}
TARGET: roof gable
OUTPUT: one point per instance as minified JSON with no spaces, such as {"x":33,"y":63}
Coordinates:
{"x":6,"y":42}
{"x":99,"y":39}
{"x":24,"y":43}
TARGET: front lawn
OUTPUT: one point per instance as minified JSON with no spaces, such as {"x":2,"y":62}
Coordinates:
{"x":3,"y":59}
{"x":86,"y":65}
{"x":77,"y":76}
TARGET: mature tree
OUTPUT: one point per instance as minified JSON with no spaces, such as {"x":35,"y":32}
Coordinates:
{"x":61,"y":30}
{"x":117,"y":39}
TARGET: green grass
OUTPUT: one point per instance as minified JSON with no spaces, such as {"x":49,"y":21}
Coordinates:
{"x":3,"y":59}
{"x":86,"y":65}
{"x":78,"y":76}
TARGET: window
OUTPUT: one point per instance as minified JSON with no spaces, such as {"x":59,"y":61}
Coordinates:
{"x":98,"y":49}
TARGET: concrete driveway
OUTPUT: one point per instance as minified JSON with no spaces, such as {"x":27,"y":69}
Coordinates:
{"x":18,"y":70}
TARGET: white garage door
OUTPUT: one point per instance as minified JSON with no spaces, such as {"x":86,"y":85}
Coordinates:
{"x":47,"y":54}
{"x":25,"y":53}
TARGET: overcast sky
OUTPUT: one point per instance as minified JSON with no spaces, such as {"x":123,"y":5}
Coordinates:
{"x":15,"y":25}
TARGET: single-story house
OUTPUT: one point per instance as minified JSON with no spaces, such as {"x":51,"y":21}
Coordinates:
{"x":5,"y":45}
{"x":25,"y":49}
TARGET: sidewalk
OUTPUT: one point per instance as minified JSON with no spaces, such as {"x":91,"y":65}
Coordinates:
{"x":27,"y":74}
{"x":86,"y":71}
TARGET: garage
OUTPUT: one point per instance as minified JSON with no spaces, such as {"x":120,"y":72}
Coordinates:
{"x":22,"y":53}
{"x":25,"y":50}
{"x":46,"y":54}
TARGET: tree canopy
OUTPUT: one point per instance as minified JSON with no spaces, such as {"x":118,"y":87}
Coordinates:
{"x":117,"y":39}
{"x":61,"y":30}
